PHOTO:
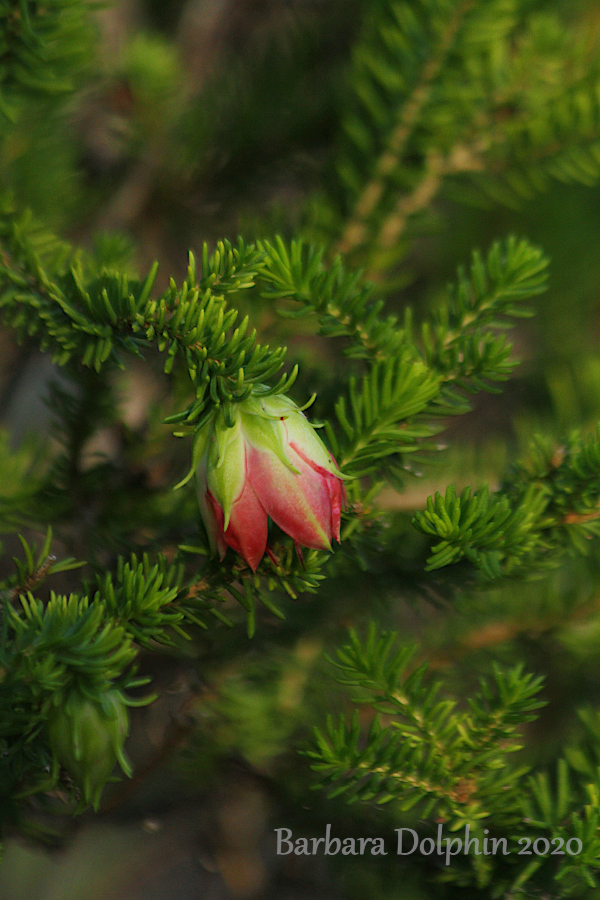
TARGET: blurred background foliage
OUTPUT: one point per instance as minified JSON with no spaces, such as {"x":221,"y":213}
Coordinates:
{"x":190,"y":120}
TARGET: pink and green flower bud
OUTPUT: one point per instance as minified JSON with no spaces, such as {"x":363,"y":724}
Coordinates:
{"x":265,"y":460}
{"x":87,"y":738}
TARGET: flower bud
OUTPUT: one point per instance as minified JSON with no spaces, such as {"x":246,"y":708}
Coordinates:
{"x":87,"y":737}
{"x":264,"y":459}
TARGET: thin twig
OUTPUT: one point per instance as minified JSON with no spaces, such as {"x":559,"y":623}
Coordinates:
{"x":462,"y":159}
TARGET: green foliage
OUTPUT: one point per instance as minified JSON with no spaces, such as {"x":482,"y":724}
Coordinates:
{"x":461,"y":344}
{"x":453,"y":766}
{"x":143,"y":596}
{"x":462,"y":349}
{"x":77,"y":645}
{"x":440,"y":102}
{"x":20,"y":480}
{"x":481,"y":528}
{"x":548,"y":505}
{"x":100,"y":317}
{"x":96,"y":318}
{"x":453,"y":763}
{"x":389,"y":395}
{"x":41,"y":47}
{"x":343,"y":302}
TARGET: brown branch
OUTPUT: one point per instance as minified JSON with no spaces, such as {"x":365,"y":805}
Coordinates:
{"x":574,"y":518}
{"x":490,"y":634}
{"x":461,"y":159}
{"x":32,"y":580}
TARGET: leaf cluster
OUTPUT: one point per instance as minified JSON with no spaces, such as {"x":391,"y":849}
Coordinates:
{"x":41,"y":47}
{"x":466,"y":98}
{"x":547,"y":506}
{"x":389,"y":411}
{"x":453,"y":763}
{"x":462,"y":342}
{"x":343,"y":302}
{"x":94,"y":319}
{"x":425,"y":754}
{"x":88,"y":640}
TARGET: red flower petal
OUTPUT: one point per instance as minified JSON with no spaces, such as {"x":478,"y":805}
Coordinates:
{"x":248,"y":526}
{"x":337,"y":494}
{"x":299,"y":502}
{"x":335,"y":487}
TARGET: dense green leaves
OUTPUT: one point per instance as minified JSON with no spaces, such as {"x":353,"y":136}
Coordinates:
{"x":550,"y":505}
{"x":376,"y":425}
{"x":96,"y":318}
{"x":453,"y":763}
{"x":461,"y":343}
{"x":439,"y":102}
{"x":453,"y":766}
{"x":41,"y":46}
{"x":343,"y":302}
